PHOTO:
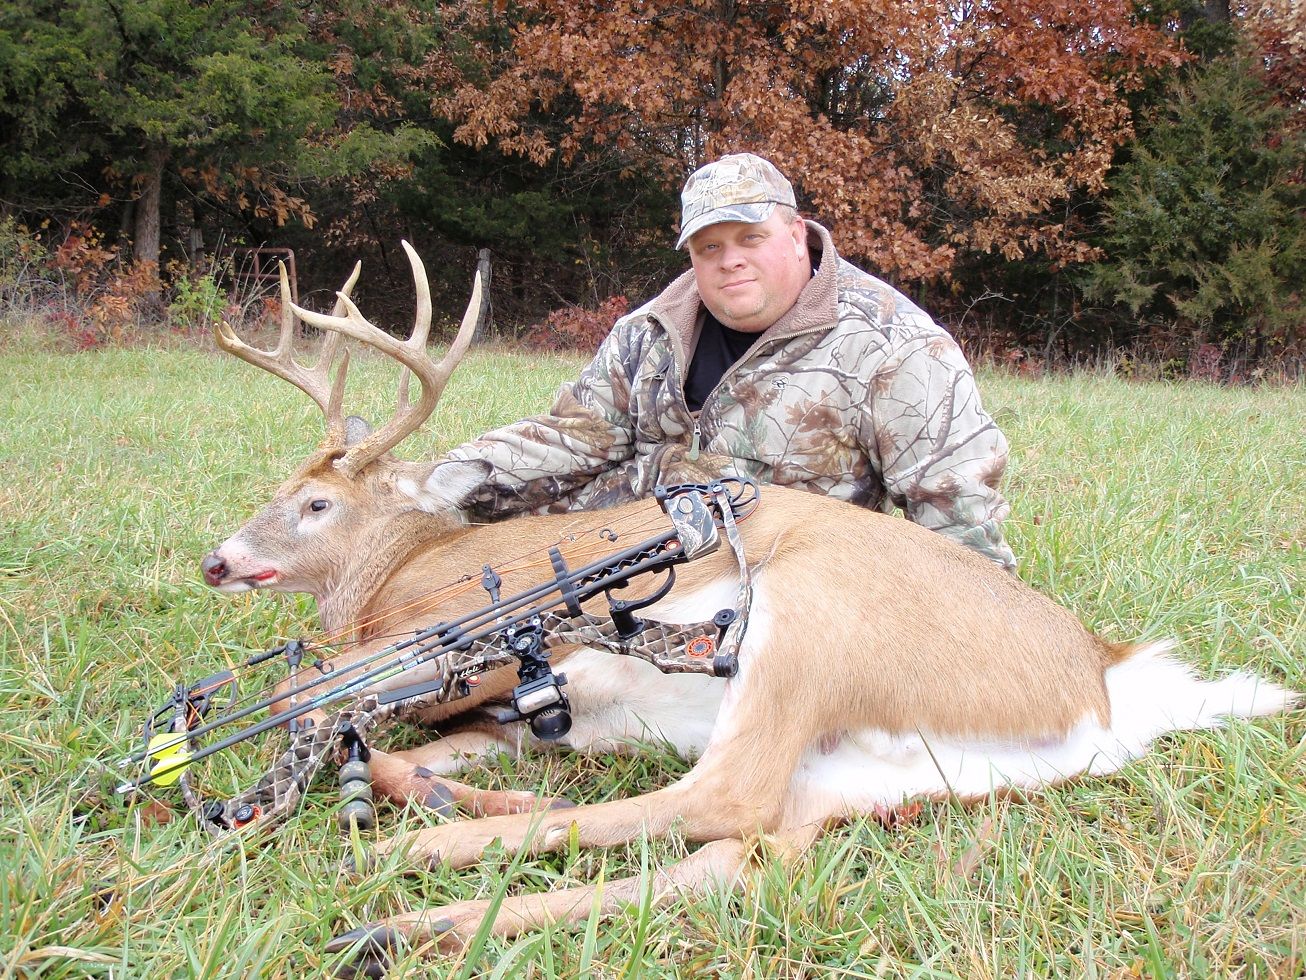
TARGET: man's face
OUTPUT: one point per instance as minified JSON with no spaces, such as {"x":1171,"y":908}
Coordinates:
{"x":750,"y":275}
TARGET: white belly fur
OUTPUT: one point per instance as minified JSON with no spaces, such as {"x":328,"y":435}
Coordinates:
{"x":1151,"y":694}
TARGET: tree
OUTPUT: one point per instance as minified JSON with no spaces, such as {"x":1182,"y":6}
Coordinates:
{"x":918,"y":129}
{"x":214,"y":92}
{"x":38,"y":126}
{"x":1205,"y":224}
{"x":234,"y":105}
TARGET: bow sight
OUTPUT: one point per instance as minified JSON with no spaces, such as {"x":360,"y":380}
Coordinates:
{"x":443,"y":662}
{"x":538,"y":699}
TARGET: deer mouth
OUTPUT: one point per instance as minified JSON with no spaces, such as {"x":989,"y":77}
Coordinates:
{"x":218,"y":575}
{"x":246,"y":583}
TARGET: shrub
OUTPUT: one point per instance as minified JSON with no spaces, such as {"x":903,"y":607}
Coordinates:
{"x":83,"y":259}
{"x":574,"y":328}
{"x":22,"y":263}
{"x":197,"y":300}
{"x":78,"y":290}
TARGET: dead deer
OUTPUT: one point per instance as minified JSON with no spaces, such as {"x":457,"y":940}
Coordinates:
{"x":360,"y":530}
{"x":929,"y":673}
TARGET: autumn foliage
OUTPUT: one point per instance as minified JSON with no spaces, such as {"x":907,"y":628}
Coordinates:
{"x":1276,"y":30}
{"x":1024,"y":167}
{"x":915,"y":129}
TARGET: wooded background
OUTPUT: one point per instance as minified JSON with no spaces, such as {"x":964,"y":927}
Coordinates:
{"x":1051,"y":178}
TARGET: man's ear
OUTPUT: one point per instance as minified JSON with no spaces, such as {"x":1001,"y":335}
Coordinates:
{"x":450,"y":485}
{"x":798,"y":231}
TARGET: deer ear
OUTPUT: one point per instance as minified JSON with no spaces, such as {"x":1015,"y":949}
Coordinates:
{"x":451,"y":484}
{"x":357,"y":429}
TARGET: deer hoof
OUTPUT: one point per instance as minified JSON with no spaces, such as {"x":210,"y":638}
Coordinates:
{"x":440,"y":800}
{"x":374,"y":950}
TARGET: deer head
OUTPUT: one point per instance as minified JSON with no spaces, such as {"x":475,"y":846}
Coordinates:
{"x":337,"y":527}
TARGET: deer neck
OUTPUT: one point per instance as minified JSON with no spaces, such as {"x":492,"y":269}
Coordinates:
{"x":357,"y":594}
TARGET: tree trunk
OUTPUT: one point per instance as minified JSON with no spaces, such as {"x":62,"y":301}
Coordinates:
{"x":725,"y":14}
{"x":145,"y":247}
{"x":188,"y":225}
{"x":126,"y":223}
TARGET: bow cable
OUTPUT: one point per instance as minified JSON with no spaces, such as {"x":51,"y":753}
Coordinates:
{"x":437,"y":638}
{"x":334,"y":641}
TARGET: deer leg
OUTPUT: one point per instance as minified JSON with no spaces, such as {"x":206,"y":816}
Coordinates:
{"x":400,"y":777}
{"x":459,"y":751}
{"x":739,"y":786}
{"x":716,"y":865}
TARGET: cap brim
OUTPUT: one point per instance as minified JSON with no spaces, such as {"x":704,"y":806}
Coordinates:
{"x":752,"y":214}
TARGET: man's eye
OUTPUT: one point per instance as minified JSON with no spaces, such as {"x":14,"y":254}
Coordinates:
{"x":317,"y":506}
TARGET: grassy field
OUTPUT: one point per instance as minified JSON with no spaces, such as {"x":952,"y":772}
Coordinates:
{"x":1150,"y":510}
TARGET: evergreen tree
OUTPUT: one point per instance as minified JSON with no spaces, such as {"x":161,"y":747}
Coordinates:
{"x":237,"y":105}
{"x":216,"y":93}
{"x":1204,"y":224}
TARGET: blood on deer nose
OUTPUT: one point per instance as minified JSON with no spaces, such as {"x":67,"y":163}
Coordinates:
{"x":214,"y":569}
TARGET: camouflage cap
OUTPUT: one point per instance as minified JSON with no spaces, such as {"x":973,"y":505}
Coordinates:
{"x":738,"y":187}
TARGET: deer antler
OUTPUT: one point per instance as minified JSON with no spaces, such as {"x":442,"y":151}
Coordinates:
{"x":411,"y":353}
{"x":315,"y":381}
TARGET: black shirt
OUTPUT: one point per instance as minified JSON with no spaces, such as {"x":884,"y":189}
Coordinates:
{"x":718,"y":348}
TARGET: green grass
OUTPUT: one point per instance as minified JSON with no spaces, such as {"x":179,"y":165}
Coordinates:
{"x":1150,"y":510}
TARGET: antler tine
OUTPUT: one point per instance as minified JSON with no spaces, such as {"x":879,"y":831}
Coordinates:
{"x":466,"y":330}
{"x":421,"y":322}
{"x":335,"y":415}
{"x":316,"y":382}
{"x":411,"y":353}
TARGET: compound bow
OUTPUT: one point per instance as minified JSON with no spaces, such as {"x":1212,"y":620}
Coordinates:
{"x":443,"y":662}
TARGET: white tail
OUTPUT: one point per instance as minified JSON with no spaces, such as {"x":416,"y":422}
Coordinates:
{"x":1152,"y":693}
{"x":923,"y":671}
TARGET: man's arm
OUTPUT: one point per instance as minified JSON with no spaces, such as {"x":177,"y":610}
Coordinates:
{"x":942,"y":455}
{"x":588,"y":431}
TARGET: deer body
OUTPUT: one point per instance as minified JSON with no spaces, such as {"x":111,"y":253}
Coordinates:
{"x":881,"y":662}
{"x":846,"y":703}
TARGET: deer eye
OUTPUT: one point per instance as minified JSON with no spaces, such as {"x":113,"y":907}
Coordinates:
{"x":317,"y":506}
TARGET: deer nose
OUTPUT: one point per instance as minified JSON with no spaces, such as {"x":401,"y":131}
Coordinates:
{"x":214,"y":569}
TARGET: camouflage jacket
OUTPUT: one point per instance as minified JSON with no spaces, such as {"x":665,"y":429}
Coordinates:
{"x":855,"y":393}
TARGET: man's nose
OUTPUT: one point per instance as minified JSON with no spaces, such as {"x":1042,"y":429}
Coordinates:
{"x":731,"y":258}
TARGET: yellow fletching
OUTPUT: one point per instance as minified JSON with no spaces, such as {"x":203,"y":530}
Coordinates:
{"x":171,"y":757}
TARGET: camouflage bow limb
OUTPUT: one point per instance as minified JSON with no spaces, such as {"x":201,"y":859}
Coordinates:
{"x":671,"y":647}
{"x":279,"y":791}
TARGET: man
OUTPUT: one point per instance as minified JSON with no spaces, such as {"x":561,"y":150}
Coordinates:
{"x":772,"y":358}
